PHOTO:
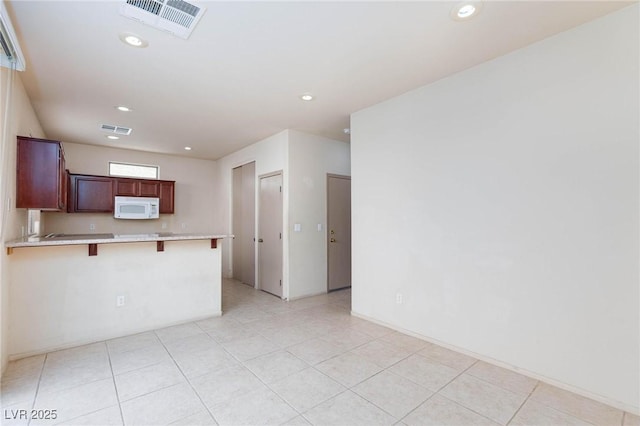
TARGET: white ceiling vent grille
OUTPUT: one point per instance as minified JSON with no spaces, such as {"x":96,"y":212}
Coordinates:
{"x":118,"y":130}
{"x":177,"y":17}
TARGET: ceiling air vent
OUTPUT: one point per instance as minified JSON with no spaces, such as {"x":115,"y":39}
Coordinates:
{"x":177,"y":17}
{"x":118,"y":130}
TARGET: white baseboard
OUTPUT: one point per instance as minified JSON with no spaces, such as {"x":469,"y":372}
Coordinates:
{"x":579,"y":391}
{"x":102,"y":338}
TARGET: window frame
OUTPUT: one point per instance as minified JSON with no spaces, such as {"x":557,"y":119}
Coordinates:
{"x":148,"y":166}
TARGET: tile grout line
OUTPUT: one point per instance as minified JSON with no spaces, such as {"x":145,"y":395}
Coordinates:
{"x":469,"y":408}
{"x":186,"y":378}
{"x":82,"y":384}
{"x":332,"y":397}
{"x":460,"y":404}
{"x":267,"y":385}
{"x":523,"y":402}
{"x":350,"y":388}
{"x":419,"y":405}
{"x":376,"y":405}
{"x":115,"y":386}
{"x":285,"y":349}
{"x":35,"y":396}
{"x":142,"y":368}
{"x":566,"y":412}
{"x":441,"y":387}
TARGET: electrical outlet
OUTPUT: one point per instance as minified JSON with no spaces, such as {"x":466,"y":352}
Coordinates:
{"x":164,"y":225}
{"x":92,"y":227}
{"x":119,"y":301}
{"x":399,"y":298}
{"x":184,"y":226}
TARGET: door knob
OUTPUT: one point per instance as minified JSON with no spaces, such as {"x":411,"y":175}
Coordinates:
{"x":333,"y":240}
{"x":260,"y":240}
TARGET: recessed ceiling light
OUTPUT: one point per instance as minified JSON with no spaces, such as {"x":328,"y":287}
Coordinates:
{"x":112,"y":137}
{"x":123,"y":108}
{"x":307,"y":97}
{"x":466,"y":10}
{"x":187,"y":148}
{"x":133,"y":40}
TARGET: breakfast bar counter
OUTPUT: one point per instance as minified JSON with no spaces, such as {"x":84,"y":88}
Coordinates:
{"x":61,"y":297}
{"x":94,"y":239}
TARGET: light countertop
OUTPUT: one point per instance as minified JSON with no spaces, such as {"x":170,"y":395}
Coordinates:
{"x":74,"y":239}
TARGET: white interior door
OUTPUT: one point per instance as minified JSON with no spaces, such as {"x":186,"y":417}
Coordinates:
{"x":270,"y":234}
{"x":244,"y":223}
{"x":338,"y":232}
{"x":237,"y":229}
{"x":249,"y":222}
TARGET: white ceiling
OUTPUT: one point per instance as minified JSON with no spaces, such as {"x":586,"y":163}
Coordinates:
{"x":237,"y":79}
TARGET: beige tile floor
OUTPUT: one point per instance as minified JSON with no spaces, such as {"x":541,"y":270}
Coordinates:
{"x":271,"y":362}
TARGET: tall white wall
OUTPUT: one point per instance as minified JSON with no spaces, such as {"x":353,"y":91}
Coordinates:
{"x":21,"y":120}
{"x":310,"y":159}
{"x":502,"y":202}
{"x":194,"y":192}
{"x":305,"y":161}
{"x":270,"y":156}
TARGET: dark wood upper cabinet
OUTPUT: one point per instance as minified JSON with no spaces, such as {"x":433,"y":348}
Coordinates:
{"x":43,"y":183}
{"x":149,"y":188}
{"x":162,"y":189}
{"x":41,"y":175}
{"x":91,"y":194}
{"x":167,"y":196}
{"x":126,"y":187}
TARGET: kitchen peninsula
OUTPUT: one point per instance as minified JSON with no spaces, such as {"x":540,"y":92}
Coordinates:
{"x":72,"y":293}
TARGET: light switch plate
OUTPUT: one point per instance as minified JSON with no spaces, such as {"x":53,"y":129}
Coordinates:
{"x":297,"y":227}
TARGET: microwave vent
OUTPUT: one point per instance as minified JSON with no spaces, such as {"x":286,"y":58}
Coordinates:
{"x":177,"y":17}
{"x":118,"y":130}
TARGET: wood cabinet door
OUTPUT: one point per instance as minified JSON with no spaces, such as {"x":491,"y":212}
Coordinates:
{"x":91,"y":194}
{"x":40,"y":173}
{"x":149,"y":188}
{"x":166,"y":192}
{"x":63,"y":180}
{"x":127,"y":187}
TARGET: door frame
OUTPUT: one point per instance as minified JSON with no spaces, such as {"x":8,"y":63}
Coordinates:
{"x":255,"y":219}
{"x":327,"y":235}
{"x":259,"y":230}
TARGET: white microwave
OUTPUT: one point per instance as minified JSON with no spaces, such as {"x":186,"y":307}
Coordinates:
{"x":136,"y":208}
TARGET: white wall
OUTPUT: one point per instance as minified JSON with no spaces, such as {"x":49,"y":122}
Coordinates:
{"x":270,"y":156}
{"x":194,"y":192}
{"x":305,"y":161}
{"x":502,"y":202}
{"x":310,"y":159}
{"x":21,"y":120}
{"x":65,"y":298}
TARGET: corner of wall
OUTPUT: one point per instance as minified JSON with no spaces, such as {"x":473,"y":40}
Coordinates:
{"x":18,"y":119}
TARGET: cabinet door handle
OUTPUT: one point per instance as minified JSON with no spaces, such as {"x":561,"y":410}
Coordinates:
{"x":333,"y":240}
{"x":260,"y":240}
